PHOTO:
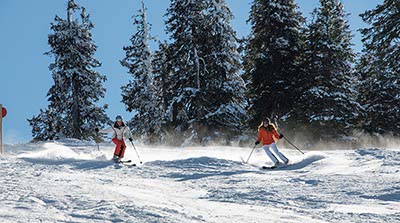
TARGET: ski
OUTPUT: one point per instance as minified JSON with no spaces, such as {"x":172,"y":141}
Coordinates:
{"x":268,"y":167}
{"x":282,"y":166}
{"x":124,"y":161}
{"x":127,"y":164}
{"x":121,"y":161}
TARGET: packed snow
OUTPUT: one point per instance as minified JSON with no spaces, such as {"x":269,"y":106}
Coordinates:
{"x":74,"y":181}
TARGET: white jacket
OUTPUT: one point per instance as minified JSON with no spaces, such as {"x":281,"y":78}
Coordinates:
{"x":119,"y":132}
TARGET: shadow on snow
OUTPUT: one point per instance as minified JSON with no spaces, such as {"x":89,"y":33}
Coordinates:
{"x":80,"y":164}
{"x":200,"y":167}
{"x":302,"y":164}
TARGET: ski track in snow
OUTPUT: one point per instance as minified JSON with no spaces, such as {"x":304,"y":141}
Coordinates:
{"x":71,"y":181}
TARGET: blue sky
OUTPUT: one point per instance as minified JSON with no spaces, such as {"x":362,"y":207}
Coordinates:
{"x":25,"y":24}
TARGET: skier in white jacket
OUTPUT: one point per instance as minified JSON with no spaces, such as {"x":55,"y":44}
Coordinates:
{"x":120,"y":133}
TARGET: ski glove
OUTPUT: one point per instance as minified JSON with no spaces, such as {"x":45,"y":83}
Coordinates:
{"x":257,"y":142}
{"x":281,"y":136}
{"x":96,"y":129}
{"x":130,"y":139}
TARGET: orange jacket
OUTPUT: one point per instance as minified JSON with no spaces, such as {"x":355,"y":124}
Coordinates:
{"x":267,"y":137}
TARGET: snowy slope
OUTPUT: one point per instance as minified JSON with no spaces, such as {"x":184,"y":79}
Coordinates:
{"x":71,"y":181}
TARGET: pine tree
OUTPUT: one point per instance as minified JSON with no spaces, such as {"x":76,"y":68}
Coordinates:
{"x":380,"y":68}
{"x":77,"y":87}
{"x":44,"y":126}
{"x":140,"y":95}
{"x":184,"y":24}
{"x":271,"y":57}
{"x":328,"y":106}
{"x":162,"y":69}
{"x":206,"y":89}
{"x":222,"y":89}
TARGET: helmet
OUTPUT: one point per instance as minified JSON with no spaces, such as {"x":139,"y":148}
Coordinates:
{"x":119,"y":118}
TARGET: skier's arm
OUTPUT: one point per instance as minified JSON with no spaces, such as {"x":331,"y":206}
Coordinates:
{"x":259,"y":137}
{"x":107,"y":130}
{"x":276,"y":135}
{"x":128,"y":133}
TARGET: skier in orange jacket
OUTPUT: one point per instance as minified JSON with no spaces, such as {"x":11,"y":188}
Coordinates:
{"x":267,"y":134}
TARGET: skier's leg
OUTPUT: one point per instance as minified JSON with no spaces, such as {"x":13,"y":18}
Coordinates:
{"x":278,"y":153}
{"x":269,"y":154}
{"x":122,"y":151}
{"x":117,"y":147}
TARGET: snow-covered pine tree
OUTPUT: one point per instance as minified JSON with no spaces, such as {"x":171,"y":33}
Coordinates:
{"x":206,"y":97}
{"x":221,"y":107}
{"x":141,"y":95}
{"x":184,"y":24}
{"x":380,"y":68}
{"x":328,"y":106}
{"x":366,"y":72}
{"x":77,"y":87}
{"x":45,"y":126}
{"x":271,"y":57}
{"x":162,"y":69}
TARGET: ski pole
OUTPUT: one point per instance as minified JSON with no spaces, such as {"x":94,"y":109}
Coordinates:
{"x":251,"y":153}
{"x":136,"y":152}
{"x":97,"y":143}
{"x":293,"y":145}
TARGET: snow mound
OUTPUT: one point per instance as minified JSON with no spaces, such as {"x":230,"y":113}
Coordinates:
{"x":55,"y":153}
{"x":389,"y":157}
